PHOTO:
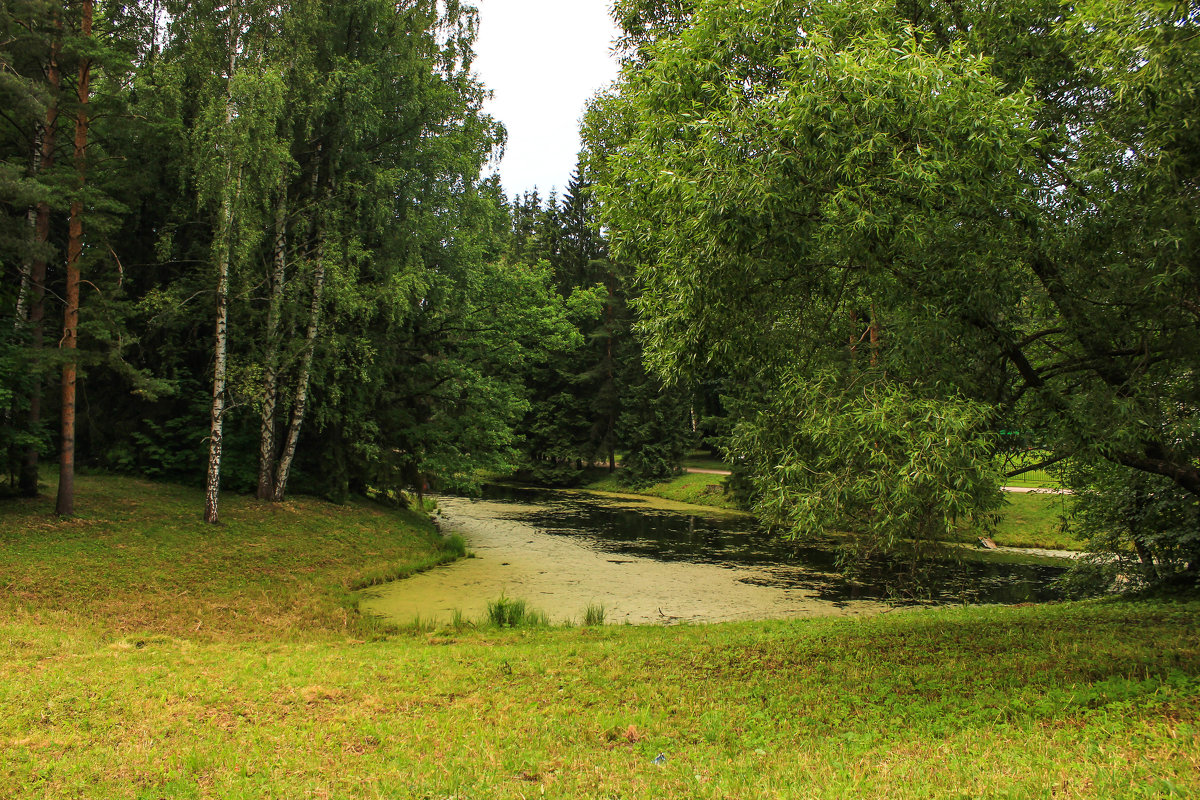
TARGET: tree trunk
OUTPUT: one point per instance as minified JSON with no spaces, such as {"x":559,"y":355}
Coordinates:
{"x":212,"y":484}
{"x":27,"y":266}
{"x":66,"y":467}
{"x":301,"y":400}
{"x":612,"y":378}
{"x":28,"y":481}
{"x":266,"y":443}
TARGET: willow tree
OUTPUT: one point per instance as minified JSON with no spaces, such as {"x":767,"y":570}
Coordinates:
{"x":1010,"y":190}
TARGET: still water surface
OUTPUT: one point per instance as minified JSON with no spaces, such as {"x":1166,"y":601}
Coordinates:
{"x":654,"y":562}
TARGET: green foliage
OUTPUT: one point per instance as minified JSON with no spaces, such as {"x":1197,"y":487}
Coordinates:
{"x":172,"y":450}
{"x":593,"y":397}
{"x":653,"y":428}
{"x":869,"y":457}
{"x":1142,"y":529}
{"x":346,"y":138}
{"x":994,"y":204}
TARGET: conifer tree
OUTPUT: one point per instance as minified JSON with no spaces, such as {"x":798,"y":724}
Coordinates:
{"x":65,"y":505}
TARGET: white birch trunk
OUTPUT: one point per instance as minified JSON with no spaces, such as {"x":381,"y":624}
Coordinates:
{"x":22,"y":315}
{"x":266,"y":444}
{"x":220,"y":349}
{"x":298,"y":407}
{"x":212,"y":486}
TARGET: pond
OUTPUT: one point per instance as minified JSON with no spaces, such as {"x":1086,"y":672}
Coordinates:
{"x":648,"y":561}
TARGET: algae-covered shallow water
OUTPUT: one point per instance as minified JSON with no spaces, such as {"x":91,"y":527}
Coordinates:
{"x":652,"y":562}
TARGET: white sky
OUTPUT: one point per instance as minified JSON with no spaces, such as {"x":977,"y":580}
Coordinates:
{"x":543,"y":60}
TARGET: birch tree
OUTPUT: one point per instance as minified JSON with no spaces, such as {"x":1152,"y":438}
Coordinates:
{"x":239,"y":161}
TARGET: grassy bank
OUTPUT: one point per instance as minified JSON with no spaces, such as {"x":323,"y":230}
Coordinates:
{"x":697,"y":489}
{"x":112,"y":690}
{"x":1035,"y":520}
{"x":138,"y":559}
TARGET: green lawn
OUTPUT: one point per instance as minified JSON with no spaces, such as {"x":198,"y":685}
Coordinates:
{"x":1036,"y":479}
{"x":145,"y":656}
{"x":697,"y":489}
{"x":1035,"y":520}
{"x":700,"y":459}
{"x":1026,"y":519}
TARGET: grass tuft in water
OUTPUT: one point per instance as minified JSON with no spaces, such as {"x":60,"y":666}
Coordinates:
{"x":456,"y":544}
{"x":594,"y":614}
{"x":507,"y":612}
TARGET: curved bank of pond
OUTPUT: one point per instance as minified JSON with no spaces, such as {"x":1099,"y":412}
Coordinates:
{"x":656,"y":562}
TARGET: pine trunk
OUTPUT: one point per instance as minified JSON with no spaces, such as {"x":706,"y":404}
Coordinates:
{"x":301,"y":400}
{"x":66,"y":467}
{"x":266,"y":445}
{"x":28,"y":481}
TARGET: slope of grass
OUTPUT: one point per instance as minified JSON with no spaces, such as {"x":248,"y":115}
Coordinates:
{"x":109,"y":690}
{"x":696,"y":489}
{"x":701,"y":459}
{"x":138,"y":558}
{"x":1035,"y":520}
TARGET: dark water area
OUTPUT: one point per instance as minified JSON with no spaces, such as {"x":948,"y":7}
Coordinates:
{"x":627,"y":527}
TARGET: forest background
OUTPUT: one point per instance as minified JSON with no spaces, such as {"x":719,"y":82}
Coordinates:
{"x":881,"y":254}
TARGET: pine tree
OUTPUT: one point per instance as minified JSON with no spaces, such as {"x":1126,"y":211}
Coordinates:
{"x":65,"y":505}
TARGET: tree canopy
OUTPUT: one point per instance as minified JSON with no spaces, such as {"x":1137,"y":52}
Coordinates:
{"x":990,"y":209}
{"x":885,"y":251}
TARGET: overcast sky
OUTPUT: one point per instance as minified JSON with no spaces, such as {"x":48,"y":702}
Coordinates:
{"x":543,"y":60}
